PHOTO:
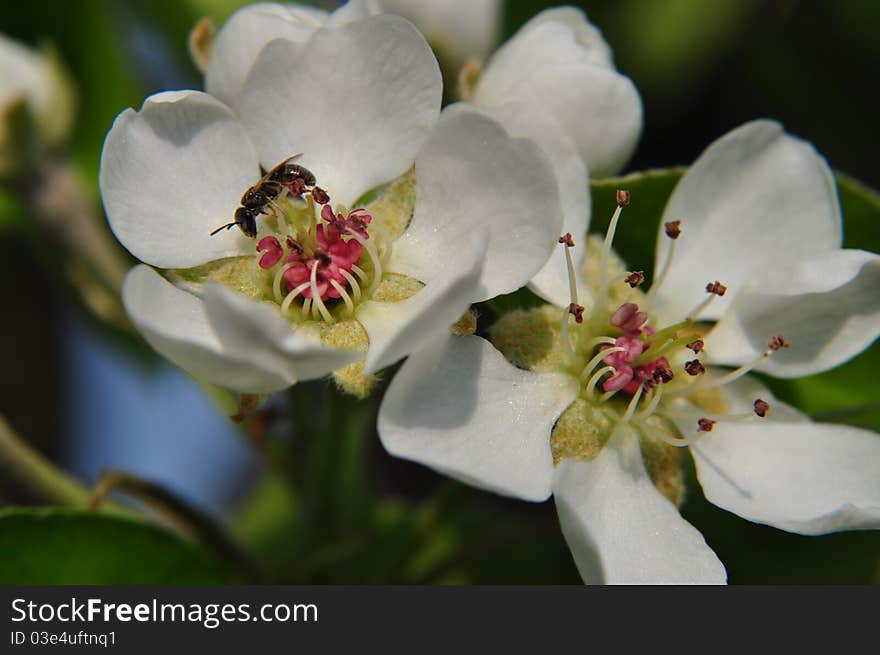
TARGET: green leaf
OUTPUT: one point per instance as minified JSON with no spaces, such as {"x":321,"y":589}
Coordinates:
{"x":54,"y":546}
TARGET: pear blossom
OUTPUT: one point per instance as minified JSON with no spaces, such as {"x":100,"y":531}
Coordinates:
{"x":559,"y":65}
{"x":456,"y":29}
{"x":247,"y":31}
{"x":555,"y":82}
{"x":595,"y":401}
{"x":386,"y":220}
{"x":32,"y":81}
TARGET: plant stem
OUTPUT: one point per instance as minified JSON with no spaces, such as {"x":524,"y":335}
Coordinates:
{"x":38,"y":474}
{"x":178,"y":514}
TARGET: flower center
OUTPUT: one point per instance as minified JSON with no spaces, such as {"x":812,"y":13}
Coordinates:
{"x":316,"y":261}
{"x":620,"y":350}
{"x":632,"y":366}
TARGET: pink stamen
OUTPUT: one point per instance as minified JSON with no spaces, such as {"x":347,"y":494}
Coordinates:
{"x":634,"y":348}
{"x":334,"y":256}
{"x":629,"y":319}
{"x":622,"y":377}
{"x":272,"y":251}
{"x":355,"y":223}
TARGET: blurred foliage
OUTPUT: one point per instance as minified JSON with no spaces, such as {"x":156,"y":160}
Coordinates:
{"x":53,"y":546}
{"x":337,"y":508}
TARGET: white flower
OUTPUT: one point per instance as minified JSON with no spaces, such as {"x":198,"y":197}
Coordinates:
{"x":248,"y":30}
{"x":359,"y":98}
{"x":456,"y":29}
{"x":35,"y":80}
{"x":758,"y":210}
{"x":554,"y":82}
{"x":559,"y":66}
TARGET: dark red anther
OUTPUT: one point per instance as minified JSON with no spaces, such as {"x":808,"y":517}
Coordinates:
{"x":761,"y":407}
{"x":777,"y":343}
{"x":577,"y":311}
{"x":635,"y":279}
{"x":716,"y":287}
{"x":696,"y":346}
{"x":662,"y":374}
{"x":567,"y":240}
{"x":705,"y":425}
{"x":320,"y":196}
{"x":622,"y":197}
{"x":672,"y":229}
{"x":694,"y":367}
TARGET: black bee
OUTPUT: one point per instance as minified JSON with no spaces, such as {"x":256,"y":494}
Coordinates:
{"x":261,"y":197}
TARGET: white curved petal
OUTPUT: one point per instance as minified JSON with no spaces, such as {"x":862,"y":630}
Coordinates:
{"x":354,"y":10}
{"x":757,"y":198}
{"x":173,"y":172}
{"x":804,"y":477}
{"x":358,"y":101}
{"x":459,"y":407}
{"x":597,"y":107}
{"x":396,"y":329}
{"x":595,"y":49}
{"x":572,"y":183}
{"x":469,"y":176}
{"x":175,"y":324}
{"x":620,"y":529}
{"x":257,"y":332}
{"x":828,"y":309}
{"x":739,"y":399}
{"x":23,"y":72}
{"x":458,"y":29}
{"x":560,"y":63}
{"x":555,"y":38}
{"x":242,"y":37}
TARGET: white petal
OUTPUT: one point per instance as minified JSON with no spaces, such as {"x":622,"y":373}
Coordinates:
{"x":554,"y":38}
{"x":799,"y":476}
{"x":354,"y":10}
{"x":257,"y":331}
{"x":175,"y":324}
{"x":457,"y":28}
{"x":358,"y":101}
{"x":471,"y":175}
{"x":173,"y":172}
{"x":620,"y":529}
{"x":459,"y":407}
{"x":572,"y":183}
{"x":589,"y":44}
{"x":756,"y":198}
{"x":827,"y":308}
{"x":242,"y":37}
{"x":739,"y":398}
{"x":598,"y":108}
{"x":23,"y":72}
{"x":396,"y":329}
{"x":561,"y":64}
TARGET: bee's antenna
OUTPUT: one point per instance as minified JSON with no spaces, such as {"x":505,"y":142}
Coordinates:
{"x":223,"y":227}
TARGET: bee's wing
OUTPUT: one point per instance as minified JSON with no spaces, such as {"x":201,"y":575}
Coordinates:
{"x":268,"y":175}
